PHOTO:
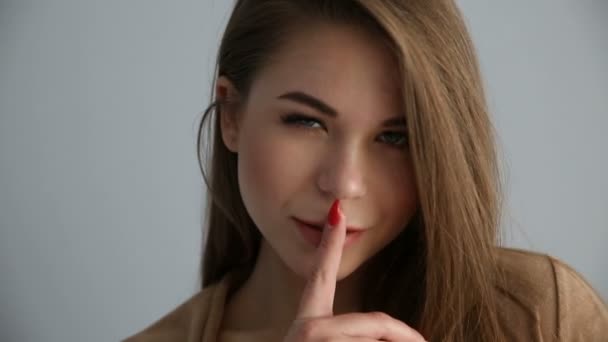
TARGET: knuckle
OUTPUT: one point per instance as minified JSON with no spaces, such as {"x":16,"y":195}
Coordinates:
{"x":384,"y":321}
{"x":325,"y":242}
{"x":308,"y":329}
{"x":381,"y":316}
{"x":319,"y":275}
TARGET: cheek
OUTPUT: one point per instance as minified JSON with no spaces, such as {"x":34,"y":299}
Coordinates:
{"x":397,"y":191}
{"x":268,"y":175}
{"x":256,"y":176}
{"x":405,"y":180}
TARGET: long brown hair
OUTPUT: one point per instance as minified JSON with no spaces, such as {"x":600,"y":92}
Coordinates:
{"x":439,"y":275}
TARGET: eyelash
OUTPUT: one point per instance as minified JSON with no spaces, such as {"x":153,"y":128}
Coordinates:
{"x":300,"y":120}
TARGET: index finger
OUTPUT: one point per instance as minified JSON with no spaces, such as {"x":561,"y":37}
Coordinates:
{"x":318,"y":296}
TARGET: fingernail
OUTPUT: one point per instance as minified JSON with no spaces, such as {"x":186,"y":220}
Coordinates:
{"x":334,"y":215}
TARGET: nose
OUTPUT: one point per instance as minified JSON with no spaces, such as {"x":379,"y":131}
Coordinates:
{"x":342,"y":175}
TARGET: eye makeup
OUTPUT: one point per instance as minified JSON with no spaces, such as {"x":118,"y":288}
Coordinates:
{"x":396,"y":139}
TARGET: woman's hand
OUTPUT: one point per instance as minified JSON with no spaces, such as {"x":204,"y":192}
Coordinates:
{"x":315,"y":320}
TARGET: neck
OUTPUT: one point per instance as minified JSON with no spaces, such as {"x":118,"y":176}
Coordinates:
{"x":277,"y":289}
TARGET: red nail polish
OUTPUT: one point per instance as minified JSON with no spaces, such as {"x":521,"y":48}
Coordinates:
{"x":334,"y":215}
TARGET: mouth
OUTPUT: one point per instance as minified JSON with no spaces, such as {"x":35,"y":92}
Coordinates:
{"x":313,"y":232}
{"x":319,"y":226}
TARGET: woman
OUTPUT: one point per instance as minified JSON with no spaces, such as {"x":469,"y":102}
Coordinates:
{"x":375,"y":109}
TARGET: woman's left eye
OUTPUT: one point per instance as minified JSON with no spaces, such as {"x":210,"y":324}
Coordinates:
{"x":397,"y":139}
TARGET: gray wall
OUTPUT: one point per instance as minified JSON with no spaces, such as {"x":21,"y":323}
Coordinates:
{"x":100,"y":193}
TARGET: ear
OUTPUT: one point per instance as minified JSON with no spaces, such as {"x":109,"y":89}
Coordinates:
{"x":227,"y":95}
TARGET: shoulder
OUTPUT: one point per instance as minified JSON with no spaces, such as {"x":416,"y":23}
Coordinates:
{"x":189,"y":321}
{"x":540,"y":295}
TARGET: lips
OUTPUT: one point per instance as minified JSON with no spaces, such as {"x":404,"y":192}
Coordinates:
{"x":313,"y":233}
{"x":319,"y":226}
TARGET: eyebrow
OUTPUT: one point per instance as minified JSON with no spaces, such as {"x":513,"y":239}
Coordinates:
{"x":324,"y":108}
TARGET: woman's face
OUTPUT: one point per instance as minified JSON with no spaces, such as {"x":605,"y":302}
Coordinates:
{"x":324,"y":121}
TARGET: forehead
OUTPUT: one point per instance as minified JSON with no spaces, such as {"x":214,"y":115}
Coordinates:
{"x":350,"y":69}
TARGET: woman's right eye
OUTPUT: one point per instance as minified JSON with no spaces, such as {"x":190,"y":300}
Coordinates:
{"x":301,"y":120}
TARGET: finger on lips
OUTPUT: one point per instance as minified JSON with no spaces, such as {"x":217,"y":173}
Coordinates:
{"x":318,"y":295}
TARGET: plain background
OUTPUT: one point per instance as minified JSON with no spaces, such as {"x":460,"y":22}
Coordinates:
{"x":100,"y":191}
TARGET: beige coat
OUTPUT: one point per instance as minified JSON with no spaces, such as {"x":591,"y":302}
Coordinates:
{"x":543,"y":300}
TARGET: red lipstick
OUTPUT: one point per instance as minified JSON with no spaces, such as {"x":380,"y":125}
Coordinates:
{"x":319,"y":225}
{"x":313,"y":233}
